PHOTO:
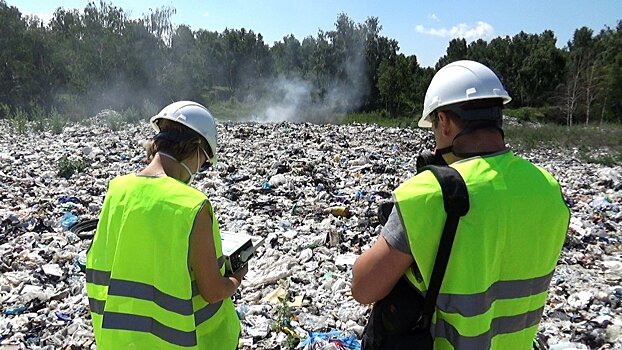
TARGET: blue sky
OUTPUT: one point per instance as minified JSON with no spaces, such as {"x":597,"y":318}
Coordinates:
{"x":423,"y":28}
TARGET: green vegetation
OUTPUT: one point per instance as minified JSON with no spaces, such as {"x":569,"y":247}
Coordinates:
{"x":381,"y":119}
{"x":18,"y":119}
{"x":282,"y":323}
{"x":81,"y":62}
{"x":115,"y":120}
{"x":132,"y":115}
{"x":56,"y":122}
{"x":594,"y":144}
{"x":536,"y":114}
{"x":600,"y":144}
{"x":38,"y":119}
{"x":232,"y":110}
{"x":37,"y":115}
{"x":67,"y":167}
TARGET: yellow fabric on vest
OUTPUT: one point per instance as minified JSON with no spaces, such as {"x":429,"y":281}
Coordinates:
{"x":503,"y":256}
{"x":142,"y":291}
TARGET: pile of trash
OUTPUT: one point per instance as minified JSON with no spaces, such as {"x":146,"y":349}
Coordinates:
{"x":312,"y":191}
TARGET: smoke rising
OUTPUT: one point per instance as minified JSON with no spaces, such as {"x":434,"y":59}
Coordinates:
{"x":294,"y":99}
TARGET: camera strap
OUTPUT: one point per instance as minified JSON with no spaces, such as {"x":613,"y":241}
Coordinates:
{"x":456,"y":203}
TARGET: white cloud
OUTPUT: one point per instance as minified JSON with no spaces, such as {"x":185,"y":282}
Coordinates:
{"x":432,"y":17}
{"x":481,"y":30}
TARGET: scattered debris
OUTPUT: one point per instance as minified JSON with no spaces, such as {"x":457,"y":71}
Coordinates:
{"x":313,"y":192}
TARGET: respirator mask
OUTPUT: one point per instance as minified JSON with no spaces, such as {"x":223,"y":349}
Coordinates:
{"x":177,"y":136}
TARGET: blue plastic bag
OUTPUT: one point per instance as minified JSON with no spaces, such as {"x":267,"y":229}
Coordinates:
{"x":68,"y":220}
{"x":341,"y":338}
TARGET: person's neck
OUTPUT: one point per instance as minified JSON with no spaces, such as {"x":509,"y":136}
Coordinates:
{"x":164,"y":166}
{"x":484,"y":141}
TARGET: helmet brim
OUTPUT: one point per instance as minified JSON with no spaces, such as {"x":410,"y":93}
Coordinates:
{"x":425,"y":122}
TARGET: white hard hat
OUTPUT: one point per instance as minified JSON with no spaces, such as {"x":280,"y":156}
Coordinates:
{"x":193,"y":115}
{"x":460,"y":81}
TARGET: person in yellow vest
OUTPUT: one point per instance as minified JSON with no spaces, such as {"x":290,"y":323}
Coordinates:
{"x":155,"y":276}
{"x":506,"y":247}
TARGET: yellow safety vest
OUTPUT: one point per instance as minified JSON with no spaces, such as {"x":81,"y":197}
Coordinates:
{"x":142,"y":291}
{"x":504,"y":254}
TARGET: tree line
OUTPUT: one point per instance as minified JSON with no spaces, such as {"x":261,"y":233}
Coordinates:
{"x":80,"y":62}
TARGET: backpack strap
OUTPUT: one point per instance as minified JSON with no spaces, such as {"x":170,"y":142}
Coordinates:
{"x":456,"y":203}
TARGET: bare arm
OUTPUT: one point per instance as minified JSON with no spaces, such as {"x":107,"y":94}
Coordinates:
{"x":212,"y":286}
{"x":377,"y":271}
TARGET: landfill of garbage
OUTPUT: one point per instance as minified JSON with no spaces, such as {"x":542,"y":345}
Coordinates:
{"x":312,"y":192}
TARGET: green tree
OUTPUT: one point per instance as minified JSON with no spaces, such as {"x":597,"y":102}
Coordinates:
{"x":83,"y":61}
{"x":184,"y":75}
{"x":27,"y":73}
{"x":580,"y":59}
{"x":210,"y":65}
{"x":377,"y":49}
{"x":540,"y":71}
{"x":608,"y":79}
{"x":246,"y":59}
{"x":457,"y":50}
{"x":136,"y":80}
{"x":478,"y":51}
{"x":402,"y":84}
{"x":287,"y":56}
{"x":393,"y":83}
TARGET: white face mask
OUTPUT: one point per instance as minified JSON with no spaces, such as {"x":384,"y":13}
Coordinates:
{"x":192,"y":175}
{"x":184,"y":165}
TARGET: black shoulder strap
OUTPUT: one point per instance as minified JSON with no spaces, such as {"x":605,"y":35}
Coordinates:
{"x":456,"y":202}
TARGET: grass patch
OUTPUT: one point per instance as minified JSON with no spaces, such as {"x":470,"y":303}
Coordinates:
{"x":381,"y":119}
{"x":595,"y":144}
{"x":18,"y":119}
{"x":57,"y":121}
{"x":601,"y":144}
{"x":38,"y":116}
{"x":67,"y":167}
{"x":114,"y":121}
{"x":231,"y":110}
{"x":609,"y":135}
{"x":547,"y":114}
{"x":131,"y":115}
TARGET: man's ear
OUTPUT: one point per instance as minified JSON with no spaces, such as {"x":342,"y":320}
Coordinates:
{"x":444,"y":123}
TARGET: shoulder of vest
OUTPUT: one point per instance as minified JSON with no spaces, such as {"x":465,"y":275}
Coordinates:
{"x":186,"y":189}
{"x":120,"y":179}
{"x":176,"y":186}
{"x":536,"y":168}
{"x":524,"y":167}
{"x":421,"y":184}
{"x":546,"y":173}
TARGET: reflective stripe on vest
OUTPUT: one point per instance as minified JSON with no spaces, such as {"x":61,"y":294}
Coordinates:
{"x":128,"y":322}
{"x":141,"y":289}
{"x":474,"y":304}
{"x":503,"y":256}
{"x":499,"y":325}
{"x":147,"y":292}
